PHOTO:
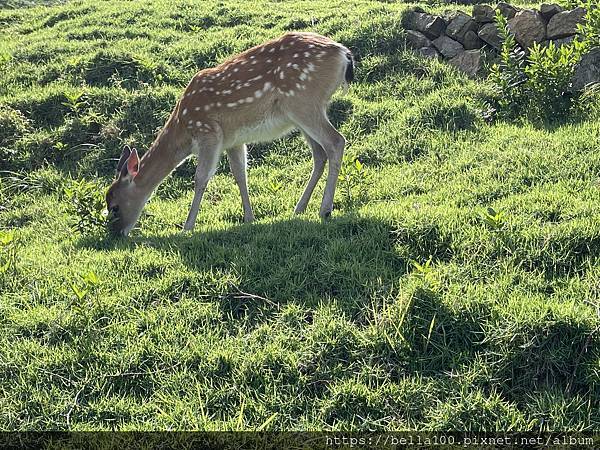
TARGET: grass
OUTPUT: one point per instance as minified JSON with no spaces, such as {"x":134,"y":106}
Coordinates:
{"x":456,"y":286}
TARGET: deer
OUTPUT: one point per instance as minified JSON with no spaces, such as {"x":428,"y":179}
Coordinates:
{"x":256,"y":96}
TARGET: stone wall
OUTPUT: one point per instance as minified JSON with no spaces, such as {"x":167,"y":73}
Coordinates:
{"x":460,"y":38}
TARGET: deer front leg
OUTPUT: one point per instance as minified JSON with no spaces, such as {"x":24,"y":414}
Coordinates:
{"x":237,"y":163}
{"x":208,"y":157}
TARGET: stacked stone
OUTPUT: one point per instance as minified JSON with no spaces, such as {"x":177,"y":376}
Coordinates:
{"x":459,"y":38}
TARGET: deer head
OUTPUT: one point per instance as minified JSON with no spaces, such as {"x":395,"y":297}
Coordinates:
{"x":124,"y":200}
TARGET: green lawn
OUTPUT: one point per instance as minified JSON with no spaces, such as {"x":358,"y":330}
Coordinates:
{"x":414,"y":307}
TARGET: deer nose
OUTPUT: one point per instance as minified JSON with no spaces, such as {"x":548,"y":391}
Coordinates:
{"x":113,"y":220}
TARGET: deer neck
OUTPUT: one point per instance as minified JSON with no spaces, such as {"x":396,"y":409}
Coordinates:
{"x":163,"y":156}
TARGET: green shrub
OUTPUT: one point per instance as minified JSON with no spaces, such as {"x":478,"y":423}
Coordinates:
{"x":87,"y":203}
{"x":538,"y":87}
{"x":548,"y":80}
{"x":590,"y":29}
{"x":535,"y":87}
{"x":354,"y":181}
{"x":508,"y":75}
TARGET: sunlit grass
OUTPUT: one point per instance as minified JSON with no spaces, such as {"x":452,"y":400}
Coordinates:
{"x":456,"y":286}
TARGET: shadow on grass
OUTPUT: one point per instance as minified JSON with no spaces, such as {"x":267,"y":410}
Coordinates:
{"x":350,"y":262}
{"x":294,"y":259}
{"x":349,"y":265}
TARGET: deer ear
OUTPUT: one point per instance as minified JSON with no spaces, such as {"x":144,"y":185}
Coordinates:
{"x":133,"y":163}
{"x":124,"y":155}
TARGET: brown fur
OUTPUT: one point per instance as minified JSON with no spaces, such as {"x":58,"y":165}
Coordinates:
{"x":257,"y":95}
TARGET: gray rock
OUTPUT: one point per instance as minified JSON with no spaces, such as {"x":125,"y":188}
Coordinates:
{"x":490,"y":35}
{"x":416,"y":39}
{"x":565,"y":23}
{"x":429,"y":52}
{"x":430,"y":26}
{"x":563,"y":41}
{"x":469,"y":62}
{"x":587,"y":71}
{"x":483,"y":13}
{"x":471,"y":41}
{"x":460,"y":24}
{"x":449,"y":48}
{"x":508,"y":11}
{"x":528,"y":26}
{"x":549,"y":10}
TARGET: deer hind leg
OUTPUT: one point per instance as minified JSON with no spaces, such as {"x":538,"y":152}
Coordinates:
{"x":318,"y":127}
{"x":209,"y":151}
{"x":237,"y":163}
{"x":319,"y":159}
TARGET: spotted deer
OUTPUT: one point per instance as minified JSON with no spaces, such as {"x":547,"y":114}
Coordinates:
{"x":256,"y":96}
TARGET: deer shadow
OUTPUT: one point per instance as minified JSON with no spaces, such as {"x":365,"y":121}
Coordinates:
{"x":296,"y":259}
{"x":350,"y":262}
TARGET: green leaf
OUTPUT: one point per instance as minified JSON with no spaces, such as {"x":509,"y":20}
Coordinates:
{"x":80,"y":293}
{"x":91,"y":278}
{"x":267,"y":422}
